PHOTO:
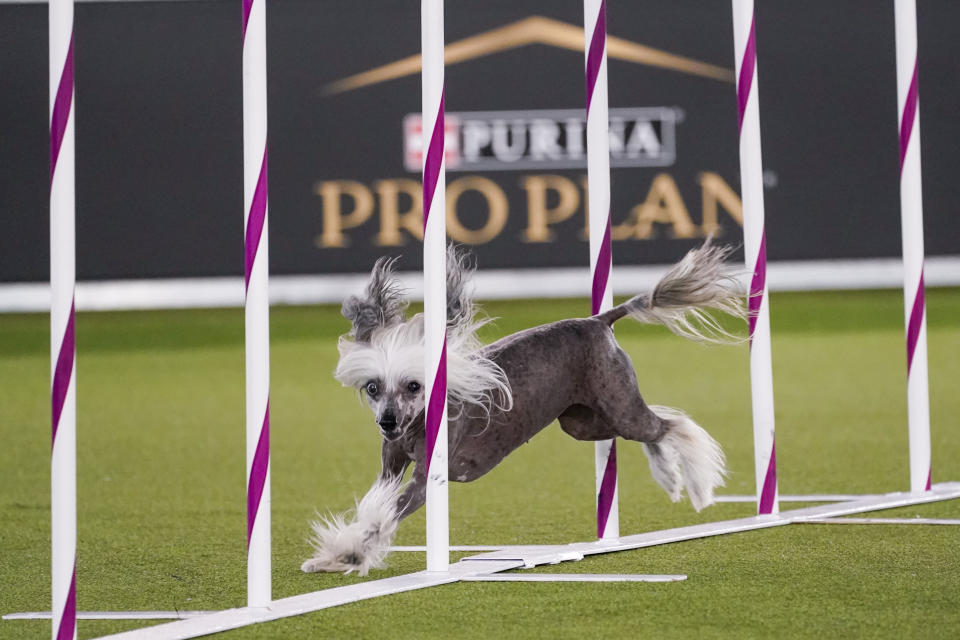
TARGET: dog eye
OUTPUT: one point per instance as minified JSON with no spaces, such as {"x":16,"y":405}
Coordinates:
{"x":372,"y":388}
{"x":413,"y":387}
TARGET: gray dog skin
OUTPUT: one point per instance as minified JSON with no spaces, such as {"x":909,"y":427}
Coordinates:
{"x":572,"y":371}
{"x":597,"y":400}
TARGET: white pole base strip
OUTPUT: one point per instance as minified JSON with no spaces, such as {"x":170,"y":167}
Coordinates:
{"x":532,"y":556}
{"x":935,"y":521}
{"x":811,"y":497}
{"x":309,"y":602}
{"x":491,"y":563}
{"x":577,"y":577}
{"x":455,"y":547}
{"x":112,"y":615}
{"x":911,"y":217}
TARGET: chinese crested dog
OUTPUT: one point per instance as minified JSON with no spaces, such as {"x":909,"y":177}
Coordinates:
{"x":502,"y":394}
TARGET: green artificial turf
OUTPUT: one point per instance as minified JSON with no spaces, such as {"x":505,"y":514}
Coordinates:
{"x":161,"y":481}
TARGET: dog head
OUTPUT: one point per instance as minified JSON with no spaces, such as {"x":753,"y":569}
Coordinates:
{"x":387,"y":370}
{"x":383,"y":354}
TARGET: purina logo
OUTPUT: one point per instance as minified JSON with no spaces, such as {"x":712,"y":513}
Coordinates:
{"x":544,"y":139}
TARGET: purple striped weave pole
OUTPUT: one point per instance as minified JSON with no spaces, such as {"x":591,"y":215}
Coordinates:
{"x":257,"y":304}
{"x":911,"y":216}
{"x":598,"y":176}
{"x":63,"y":368}
{"x":755,"y":255}
{"x":435,"y":285}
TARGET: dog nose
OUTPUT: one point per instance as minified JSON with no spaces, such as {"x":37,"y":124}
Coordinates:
{"x":388,"y":422}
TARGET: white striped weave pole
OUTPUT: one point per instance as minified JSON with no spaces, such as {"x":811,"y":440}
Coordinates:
{"x":911,"y":216}
{"x":435,"y":286}
{"x":755,"y":255}
{"x":63,"y":368}
{"x":598,"y":176}
{"x":256,"y":304}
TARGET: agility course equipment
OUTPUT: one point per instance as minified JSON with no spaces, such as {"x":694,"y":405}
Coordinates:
{"x":435,"y":286}
{"x":63,"y":454}
{"x":484,"y":567}
{"x":478,"y":568}
{"x":601,"y":258}
{"x":755,"y":254}
{"x":257,"y":301}
{"x":911,"y":216}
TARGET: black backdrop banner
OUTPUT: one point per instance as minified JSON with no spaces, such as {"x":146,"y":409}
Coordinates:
{"x":158,"y":125}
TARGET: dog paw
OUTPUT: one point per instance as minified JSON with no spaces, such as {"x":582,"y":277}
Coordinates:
{"x":313,"y":565}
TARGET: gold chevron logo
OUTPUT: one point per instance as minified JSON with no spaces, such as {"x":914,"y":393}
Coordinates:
{"x":533,"y":30}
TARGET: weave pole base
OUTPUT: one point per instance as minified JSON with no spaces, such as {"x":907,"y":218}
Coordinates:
{"x":808,"y":497}
{"x":576,"y":577}
{"x":516,"y":557}
{"x":928,"y":521}
{"x":112,"y":615}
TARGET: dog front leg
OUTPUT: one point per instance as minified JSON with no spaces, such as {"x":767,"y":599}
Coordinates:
{"x":360,"y":541}
{"x":413,"y":496}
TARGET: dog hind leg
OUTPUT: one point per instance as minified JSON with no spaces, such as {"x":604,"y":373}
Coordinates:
{"x":680,"y":452}
{"x":584,"y":423}
{"x":686,"y":449}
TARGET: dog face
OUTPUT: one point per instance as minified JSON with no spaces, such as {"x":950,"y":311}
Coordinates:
{"x":396,"y":404}
{"x":388,"y":371}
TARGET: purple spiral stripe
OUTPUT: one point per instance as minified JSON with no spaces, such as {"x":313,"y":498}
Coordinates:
{"x":438,"y":396}
{"x":595,"y":55}
{"x":929,"y":476}
{"x":61,"y":109}
{"x":747,"y":69}
{"x":601,"y":274}
{"x":431,"y":168}
{"x":909,"y":116}
{"x":63,"y":373}
{"x":769,"y":492}
{"x":258,"y":473}
{"x":68,"y":621}
{"x":247,"y":7}
{"x":915,"y":322}
{"x":608,"y":487}
{"x":757,"y":284}
{"x":256,"y":219}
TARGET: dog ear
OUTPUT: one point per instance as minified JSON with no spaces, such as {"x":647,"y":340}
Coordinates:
{"x":382,"y":305}
{"x":460,"y":268}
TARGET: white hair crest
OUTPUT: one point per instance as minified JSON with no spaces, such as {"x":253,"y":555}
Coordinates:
{"x":395,"y":353}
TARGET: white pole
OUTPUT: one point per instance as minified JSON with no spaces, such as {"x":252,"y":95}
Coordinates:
{"x":755,"y":255}
{"x":598,"y":176}
{"x":256,"y":306}
{"x":434,"y":285}
{"x":911,"y":216}
{"x":63,"y":370}
{"x":63,"y":467}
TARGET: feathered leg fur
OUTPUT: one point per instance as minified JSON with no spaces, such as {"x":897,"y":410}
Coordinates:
{"x":686,"y":456}
{"x":357,"y":541}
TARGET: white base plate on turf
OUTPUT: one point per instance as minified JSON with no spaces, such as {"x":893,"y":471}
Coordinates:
{"x":575,"y":577}
{"x":811,"y":497}
{"x":880,"y":521}
{"x":113,"y":615}
{"x":515,"y":557}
